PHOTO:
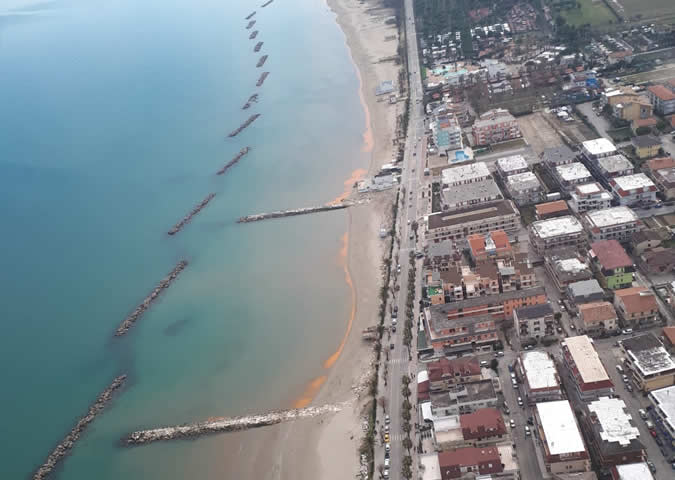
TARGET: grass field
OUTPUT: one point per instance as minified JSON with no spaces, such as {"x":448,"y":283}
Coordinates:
{"x":591,"y":12}
{"x":648,"y":8}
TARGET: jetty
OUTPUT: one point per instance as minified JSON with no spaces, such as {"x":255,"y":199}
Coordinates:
{"x":250,"y":24}
{"x":186,"y":219}
{"x":258,"y":46}
{"x":73,"y":436}
{"x":262,"y":78}
{"x":292,"y":213}
{"x":252,"y":99}
{"x":224,"y":424}
{"x":234,"y":160}
{"x":250,"y":15}
{"x":266,"y":3}
{"x":262,"y":61}
{"x":165,"y":283}
{"x":246,"y":123}
{"x":253,"y":34}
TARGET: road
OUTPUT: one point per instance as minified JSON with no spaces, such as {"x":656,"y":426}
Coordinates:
{"x":599,"y":122}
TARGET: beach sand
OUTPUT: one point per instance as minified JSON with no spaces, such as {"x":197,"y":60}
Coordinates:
{"x":327,"y":448}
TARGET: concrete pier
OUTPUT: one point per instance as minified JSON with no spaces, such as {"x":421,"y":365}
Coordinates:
{"x":292,"y":213}
{"x":234,"y":160}
{"x":73,"y":436}
{"x":186,"y":219}
{"x":131,"y":319}
{"x":246,"y":123}
{"x":222,"y":424}
{"x":262,"y":78}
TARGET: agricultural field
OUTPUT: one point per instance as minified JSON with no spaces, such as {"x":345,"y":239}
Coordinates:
{"x":593,"y":12}
{"x":648,"y":9}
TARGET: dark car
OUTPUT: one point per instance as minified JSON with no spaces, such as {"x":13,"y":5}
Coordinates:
{"x":391,"y":346}
{"x":658,"y":441}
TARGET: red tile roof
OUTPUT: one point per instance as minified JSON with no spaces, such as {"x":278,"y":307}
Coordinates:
{"x":484,"y":422}
{"x":669,"y":333}
{"x":611,"y":254}
{"x":645,"y":122}
{"x":551,"y":207}
{"x":662,"y":92}
{"x":444,"y":368}
{"x":634,"y":302}
{"x":596,"y":312}
{"x":468,"y":457}
{"x":661,"y":162}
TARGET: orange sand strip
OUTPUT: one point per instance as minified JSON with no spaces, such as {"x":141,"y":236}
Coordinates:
{"x":349,"y":185}
{"x":309,"y":393}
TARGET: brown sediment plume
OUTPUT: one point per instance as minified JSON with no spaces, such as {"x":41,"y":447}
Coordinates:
{"x":73,"y":436}
{"x":258,"y":46}
{"x":186,"y":219}
{"x":355,"y":176}
{"x":234,"y":160}
{"x":253,"y":34}
{"x":262,"y":78}
{"x":246,"y":123}
{"x":262,"y":61}
{"x":310,"y":392}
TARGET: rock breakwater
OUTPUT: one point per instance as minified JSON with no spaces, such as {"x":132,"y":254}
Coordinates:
{"x":262,"y":61}
{"x":234,"y":160}
{"x":133,"y":317}
{"x":266,"y":3}
{"x":252,"y":99}
{"x":290,"y":213}
{"x":253,"y":34}
{"x":186,"y":219}
{"x":246,"y":123}
{"x":73,"y":436}
{"x":262,"y":78}
{"x":250,"y":15}
{"x":250,"y":24}
{"x":258,"y":46}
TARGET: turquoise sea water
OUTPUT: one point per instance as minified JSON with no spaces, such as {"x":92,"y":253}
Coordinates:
{"x":113,"y":121}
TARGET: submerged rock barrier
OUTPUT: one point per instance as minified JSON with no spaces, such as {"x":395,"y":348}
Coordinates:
{"x":253,"y":34}
{"x":262,"y":61}
{"x":73,"y":436}
{"x":252,"y":99}
{"x":222,"y":424}
{"x":258,"y":46}
{"x":246,"y":123}
{"x":290,"y":213}
{"x":186,"y":219}
{"x":250,"y":24}
{"x":145,"y":304}
{"x":234,"y":160}
{"x":262,"y":78}
{"x":266,"y":3}
{"x":250,"y":15}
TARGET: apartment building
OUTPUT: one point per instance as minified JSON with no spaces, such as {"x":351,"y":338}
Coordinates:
{"x":556,"y":156}
{"x":540,"y":379}
{"x":665,"y":181}
{"x":446,"y":133}
{"x":637,"y":307}
{"x":646,"y":146}
{"x":572,"y":174}
{"x":589,"y":377}
{"x":447,"y":372}
{"x":618,"y":223}
{"x":612,"y":264}
{"x":598,"y":318}
{"x":464,"y":398}
{"x":469,"y":460}
{"x":597,"y":148}
{"x":495,"y":126}
{"x":489,"y":247}
{"x":589,"y":196}
{"x":524,"y":188}
{"x":451,"y":334}
{"x":650,"y":365}
{"x":563,"y":447}
{"x":566,"y":266}
{"x":611,"y":166}
{"x":533,"y":321}
{"x":636,"y":189}
{"x":485,"y":426}
{"x":511,"y":165}
{"x":463,"y":174}
{"x":662,"y":98}
{"x":464,"y":195}
{"x":554,"y":233}
{"x":663,"y":412}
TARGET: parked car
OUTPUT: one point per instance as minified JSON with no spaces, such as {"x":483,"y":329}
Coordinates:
{"x":619,"y":369}
{"x":629,"y":387}
{"x":483,"y":363}
{"x":512,"y":423}
{"x":527,"y":431}
{"x":651,"y":466}
{"x":386,"y":419}
{"x":391,"y":346}
{"x":643,"y":414}
{"x":624,"y":378}
{"x":627,"y":331}
{"x":520,"y":402}
{"x":530,"y":421}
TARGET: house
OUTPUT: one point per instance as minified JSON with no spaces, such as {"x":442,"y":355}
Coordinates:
{"x":566,"y":266}
{"x":590,"y":196}
{"x":553,"y":233}
{"x":636,"y":109}
{"x":469,"y":460}
{"x":663,"y":411}
{"x":665,"y":180}
{"x":485,"y":426}
{"x":572,"y":174}
{"x":636,"y":189}
{"x":489,"y":247}
{"x":445,"y":372}
{"x":631,"y":471}
{"x":597,"y":148}
{"x":659,"y":163}
{"x":619,"y":223}
{"x":662,"y":98}
{"x":646,"y":146}
{"x":649,"y":363}
{"x":464,"y":398}
{"x":524,"y":188}
{"x":611,"y":433}
{"x":645,"y":240}
{"x":589,"y":377}
{"x":649,"y":123}
{"x":669,"y":338}
{"x":657,"y":260}
{"x":495,"y":126}
{"x":511,"y":165}
{"x":637,"y":307}
{"x":554,"y":209}
{"x":556,"y":156}
{"x":533,"y":321}
{"x":598,"y":318}
{"x":585,"y":291}
{"x":563,"y":447}
{"x":612,"y":263}
{"x":540,"y":379}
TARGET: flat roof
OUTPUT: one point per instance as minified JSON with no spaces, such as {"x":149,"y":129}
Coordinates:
{"x":633,"y":182}
{"x":485,"y":189}
{"x":471,"y":214}
{"x":615,"y":163}
{"x":614,"y":420}
{"x":540,"y":370}
{"x":611,"y":216}
{"x":633,"y":471}
{"x":560,"y":428}
{"x":511,"y":163}
{"x":599,"y":146}
{"x":573,"y":171}
{"x":571,"y":265}
{"x":465,"y":173}
{"x":584,"y":288}
{"x":665,"y":398}
{"x":432,"y":469}
{"x":556,"y":155}
{"x":523,"y":181}
{"x":586,"y":359}
{"x":554,"y":227}
{"x":589,"y":188}
{"x":652,"y":361}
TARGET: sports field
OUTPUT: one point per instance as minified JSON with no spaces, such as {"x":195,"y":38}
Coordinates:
{"x":593,"y":12}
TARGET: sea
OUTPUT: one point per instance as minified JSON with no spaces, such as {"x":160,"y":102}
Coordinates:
{"x":114,"y":117}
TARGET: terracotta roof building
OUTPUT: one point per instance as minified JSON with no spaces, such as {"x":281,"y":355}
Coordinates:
{"x":551,"y":209}
{"x":483,"y":461}
{"x":662,"y":98}
{"x":493,"y":245}
{"x":657,"y":260}
{"x":598,"y":318}
{"x":444,"y":372}
{"x":659,"y":163}
{"x":483,"y":425}
{"x":636,"y":306}
{"x":614,"y":266}
{"x":669,"y":338}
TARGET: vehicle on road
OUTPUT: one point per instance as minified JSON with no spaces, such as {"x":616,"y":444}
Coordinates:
{"x":627,"y":331}
{"x":385,"y":474}
{"x":651,"y":466}
{"x":386,"y":437}
{"x":393,"y":329}
{"x":629,"y":387}
{"x":527,"y":431}
{"x":483,"y":363}
{"x":387,"y":447}
{"x":643,"y":414}
{"x":512,"y":423}
{"x":619,"y":369}
{"x":387,"y":419}
{"x":530,"y":421}
{"x":624,"y":378}
{"x":391,"y":346}
{"x":520,"y":402}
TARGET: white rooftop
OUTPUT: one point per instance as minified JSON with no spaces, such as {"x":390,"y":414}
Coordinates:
{"x":573,"y":171}
{"x":560,"y":427}
{"x":615,"y":163}
{"x":539,"y":370}
{"x":554,"y":227}
{"x":422,"y":376}
{"x":634,"y":471}
{"x":633,"y":182}
{"x":665,"y":398}
{"x":611,"y":216}
{"x":511,"y":163}
{"x":465,"y":173}
{"x":589,"y":188}
{"x":432,"y":468}
{"x":586,"y":359}
{"x":652,"y":361}
{"x":571,"y":265}
{"x":614,"y":420}
{"x":599,"y":146}
{"x":523,"y":181}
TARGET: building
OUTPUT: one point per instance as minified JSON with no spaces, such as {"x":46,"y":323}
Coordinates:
{"x":650,"y":364}
{"x":663,"y":401}
{"x":463,"y":174}
{"x":524,"y":188}
{"x":477,"y":219}
{"x":589,"y":196}
{"x":464,"y":398}
{"x":659,"y":163}
{"x":634,"y":111}
{"x":618,"y":223}
{"x":646,"y":146}
{"x":589,"y":377}
{"x":665,"y":180}
{"x":631,"y":471}
{"x":489,"y":247}
{"x":485,"y":426}
{"x":465,"y":195}
{"x":451,"y":334}
{"x":598,"y":318}
{"x":669,"y":338}
{"x":445,"y":373}
{"x":585,"y":291}
{"x":495,"y":126}
{"x":637,"y":307}
{"x":612,"y":263}
{"x":657,"y":260}
{"x":469,"y":460}
{"x":554,"y":209}
{"x":541,"y":382}
{"x":572,"y":174}
{"x":662,"y":98}
{"x":560,"y":232}
{"x":645,"y":240}
{"x":556,"y":156}
{"x":511,"y":165}
{"x":612,"y":166}
{"x":565,"y":267}
{"x":446,"y":133}
{"x":611,"y":434}
{"x":598,"y":148}
{"x":563,"y":447}
{"x":636,"y":189}
{"x":533,"y":321}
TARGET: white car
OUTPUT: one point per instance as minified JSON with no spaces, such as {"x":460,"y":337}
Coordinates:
{"x":513,"y":423}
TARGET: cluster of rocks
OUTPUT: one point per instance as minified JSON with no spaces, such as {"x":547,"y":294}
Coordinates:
{"x":262,"y":78}
{"x":252,"y":99}
{"x":234,"y":160}
{"x":253,"y":34}
{"x":73,"y":436}
{"x":139,"y":310}
{"x":250,"y":24}
{"x":290,"y":213}
{"x":262,"y":61}
{"x":198,"y":208}
{"x":246,"y":123}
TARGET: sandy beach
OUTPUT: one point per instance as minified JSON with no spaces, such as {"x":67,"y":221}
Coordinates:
{"x":327,"y":448}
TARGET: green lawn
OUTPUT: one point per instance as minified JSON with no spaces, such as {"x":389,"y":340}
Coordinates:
{"x":648,"y":8}
{"x":591,"y":12}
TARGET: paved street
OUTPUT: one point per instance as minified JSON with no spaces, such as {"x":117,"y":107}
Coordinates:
{"x":599,"y":122}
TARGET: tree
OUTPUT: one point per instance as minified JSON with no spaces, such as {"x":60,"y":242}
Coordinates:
{"x":407,"y":444}
{"x":406,"y":428}
{"x":405,"y":414}
{"x":406,"y":472}
{"x":494,"y":363}
{"x":557,"y":316}
{"x":405,"y":391}
{"x":382,"y":401}
{"x":407,"y":461}
{"x":406,"y":405}
{"x":405,"y":380}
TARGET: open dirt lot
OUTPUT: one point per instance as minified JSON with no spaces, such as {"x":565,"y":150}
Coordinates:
{"x":538,"y":132}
